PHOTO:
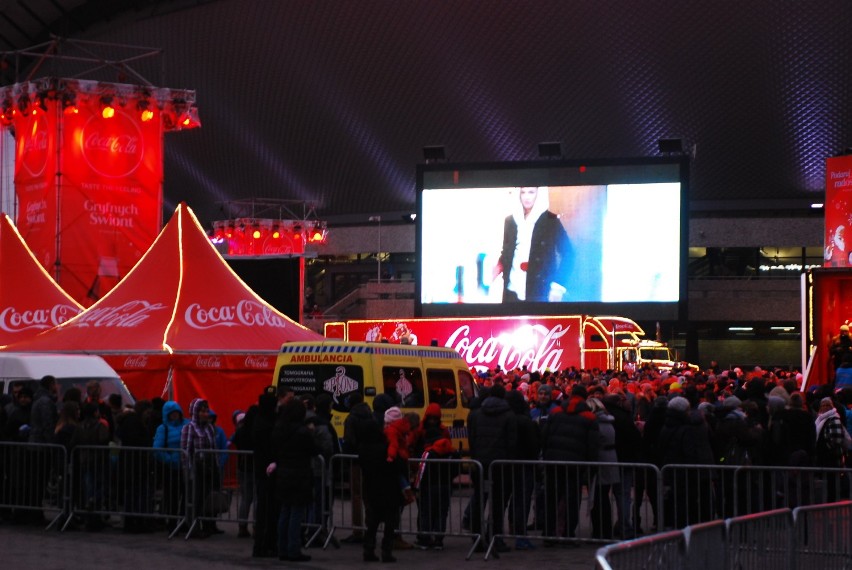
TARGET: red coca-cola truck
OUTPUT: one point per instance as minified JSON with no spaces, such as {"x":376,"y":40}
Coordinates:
{"x":539,"y":343}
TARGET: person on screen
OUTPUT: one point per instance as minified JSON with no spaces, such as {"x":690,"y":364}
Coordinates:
{"x":536,"y":255}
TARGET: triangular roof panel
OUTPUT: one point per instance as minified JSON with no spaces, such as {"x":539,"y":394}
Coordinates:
{"x":31,"y":302}
{"x":180,"y":297}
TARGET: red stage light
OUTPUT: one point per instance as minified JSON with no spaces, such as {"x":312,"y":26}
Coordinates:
{"x":146,"y":115}
{"x":255,"y":234}
{"x":108,"y":112}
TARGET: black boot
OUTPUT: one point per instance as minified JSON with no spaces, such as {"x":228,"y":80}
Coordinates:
{"x":370,"y":556}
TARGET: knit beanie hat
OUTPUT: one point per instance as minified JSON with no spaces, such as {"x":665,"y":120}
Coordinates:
{"x":392,"y":414}
{"x":679,"y":403}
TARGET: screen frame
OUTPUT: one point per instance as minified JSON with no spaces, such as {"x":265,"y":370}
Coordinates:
{"x":561,"y":172}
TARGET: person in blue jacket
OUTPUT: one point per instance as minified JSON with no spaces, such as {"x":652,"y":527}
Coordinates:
{"x":170,"y":472}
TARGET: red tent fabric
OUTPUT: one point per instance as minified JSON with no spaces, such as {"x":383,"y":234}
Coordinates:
{"x":182,"y":322}
{"x":30,"y":300}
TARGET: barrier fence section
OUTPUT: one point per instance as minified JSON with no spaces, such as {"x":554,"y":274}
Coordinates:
{"x":447,"y":495}
{"x":33,"y":480}
{"x":569,"y":501}
{"x":143,"y":485}
{"x":823,"y":536}
{"x":706,"y":545}
{"x":663,"y":550}
{"x":693,"y":494}
{"x":761,"y":540}
{"x":221,"y":489}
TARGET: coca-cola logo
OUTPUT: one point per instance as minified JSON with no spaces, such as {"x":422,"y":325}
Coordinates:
{"x":208,"y":362}
{"x":253,"y":361}
{"x":33,"y":145}
{"x":136,"y":361}
{"x":535,"y":346}
{"x":246,"y":313}
{"x":113,"y":147}
{"x":128,"y":315}
{"x":14,"y":320}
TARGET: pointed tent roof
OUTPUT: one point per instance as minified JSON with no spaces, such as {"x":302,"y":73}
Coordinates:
{"x":180,"y":297}
{"x":31,"y":302}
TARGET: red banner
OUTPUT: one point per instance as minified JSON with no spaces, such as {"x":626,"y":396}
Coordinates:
{"x":537,"y":342}
{"x":110,"y":198}
{"x":838,"y":210}
{"x":35,"y":181}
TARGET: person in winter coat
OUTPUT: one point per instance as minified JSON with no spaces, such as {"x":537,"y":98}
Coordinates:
{"x":93,"y":467}
{"x":267,"y":509}
{"x":493,"y":435}
{"x":241,"y":441}
{"x":830,"y":446}
{"x":570,"y":435}
{"x":685,"y":439}
{"x":431,"y":429}
{"x":360,"y":415}
{"x":167,"y":437}
{"x":606,"y":475}
{"x":628,"y":449}
{"x":434,"y":481}
{"x":523,"y":476}
{"x":382,"y":496}
{"x":294,"y":445}
{"x":197,"y":440}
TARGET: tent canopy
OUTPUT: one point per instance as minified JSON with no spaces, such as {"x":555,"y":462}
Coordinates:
{"x":180,"y":297}
{"x":30,"y":300}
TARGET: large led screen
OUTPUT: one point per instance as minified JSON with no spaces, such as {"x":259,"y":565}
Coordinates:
{"x":553,"y":238}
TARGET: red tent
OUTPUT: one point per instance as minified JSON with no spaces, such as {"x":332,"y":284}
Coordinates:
{"x":181,"y":323}
{"x":30,"y":300}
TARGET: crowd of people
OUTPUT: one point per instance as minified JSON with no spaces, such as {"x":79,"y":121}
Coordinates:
{"x":713,"y":417}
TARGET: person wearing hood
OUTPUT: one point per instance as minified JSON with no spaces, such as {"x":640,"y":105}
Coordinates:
{"x":166,"y":437}
{"x":430,"y":430}
{"x":536,"y":256}
{"x":493,"y":435}
{"x":197,"y":439}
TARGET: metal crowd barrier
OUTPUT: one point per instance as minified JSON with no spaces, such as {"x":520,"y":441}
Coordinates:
{"x":570,"y":501}
{"x":706,"y":547}
{"x":33,"y":478}
{"x":221,"y":488}
{"x":760,"y":540}
{"x":693,"y":494}
{"x":445,"y":504}
{"x":664,"y":550}
{"x":823,"y":536}
{"x":142,"y":485}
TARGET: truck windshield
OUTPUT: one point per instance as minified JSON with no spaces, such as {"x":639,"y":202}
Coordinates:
{"x":655,"y":354}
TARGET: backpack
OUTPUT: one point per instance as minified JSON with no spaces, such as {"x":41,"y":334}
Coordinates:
{"x":735,"y":454}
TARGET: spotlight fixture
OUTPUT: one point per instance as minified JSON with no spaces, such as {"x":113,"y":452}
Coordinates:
{"x":144,"y":108}
{"x":670,"y":146}
{"x":318,"y":233}
{"x":434,"y":154}
{"x":24,"y":104}
{"x":69,"y":103}
{"x":550,"y":149}
{"x":107,"y":109}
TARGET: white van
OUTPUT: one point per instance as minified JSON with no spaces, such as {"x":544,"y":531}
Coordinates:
{"x":68,"y":369}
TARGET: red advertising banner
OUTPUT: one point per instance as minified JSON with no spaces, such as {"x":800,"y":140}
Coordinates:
{"x":110,"y":197}
{"x":537,"y":342}
{"x":838,"y":210}
{"x":89,"y":172}
{"x":35,"y":181}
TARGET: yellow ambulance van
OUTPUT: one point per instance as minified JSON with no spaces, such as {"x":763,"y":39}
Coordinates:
{"x":414,"y":376}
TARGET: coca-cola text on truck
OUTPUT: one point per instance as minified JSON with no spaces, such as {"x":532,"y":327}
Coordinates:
{"x":539,"y":343}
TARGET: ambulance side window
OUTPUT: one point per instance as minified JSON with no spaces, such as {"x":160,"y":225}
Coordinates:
{"x":442,"y":388}
{"x":404,"y":385}
{"x":466,"y":388}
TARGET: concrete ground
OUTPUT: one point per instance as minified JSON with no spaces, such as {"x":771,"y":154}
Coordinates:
{"x":27,"y":547}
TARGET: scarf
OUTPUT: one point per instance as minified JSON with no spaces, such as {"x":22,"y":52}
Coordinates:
{"x":824,"y":417}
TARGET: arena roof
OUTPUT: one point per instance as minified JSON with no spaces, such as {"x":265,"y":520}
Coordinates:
{"x":331,"y":102}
